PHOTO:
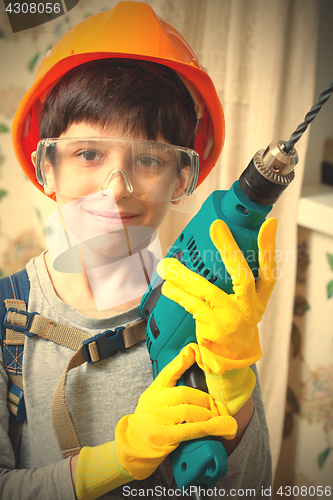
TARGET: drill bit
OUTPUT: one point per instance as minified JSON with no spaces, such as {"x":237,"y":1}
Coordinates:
{"x":311,"y":115}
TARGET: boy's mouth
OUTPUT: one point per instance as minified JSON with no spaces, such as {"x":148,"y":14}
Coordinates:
{"x":112,"y":217}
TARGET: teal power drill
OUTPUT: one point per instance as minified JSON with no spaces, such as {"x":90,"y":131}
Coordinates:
{"x":244,"y":208}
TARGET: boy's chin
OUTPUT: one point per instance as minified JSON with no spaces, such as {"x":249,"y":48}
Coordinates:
{"x":104,"y":247}
{"x":117,"y":245}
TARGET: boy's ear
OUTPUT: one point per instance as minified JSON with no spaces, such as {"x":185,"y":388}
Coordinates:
{"x":49,"y":180}
{"x":48,"y":169}
{"x":182,"y":183}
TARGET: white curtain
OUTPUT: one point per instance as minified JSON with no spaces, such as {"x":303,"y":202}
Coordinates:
{"x":261,"y":56}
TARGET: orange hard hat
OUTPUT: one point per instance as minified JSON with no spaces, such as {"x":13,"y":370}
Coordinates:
{"x":129,"y":30}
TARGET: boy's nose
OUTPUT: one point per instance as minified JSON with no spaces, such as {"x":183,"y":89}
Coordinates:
{"x":118,"y":181}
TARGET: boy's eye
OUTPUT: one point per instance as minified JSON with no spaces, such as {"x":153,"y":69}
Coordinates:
{"x":147,"y":161}
{"x":89,"y":155}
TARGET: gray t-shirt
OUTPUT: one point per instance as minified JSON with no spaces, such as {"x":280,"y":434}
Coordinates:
{"x":98,"y":396}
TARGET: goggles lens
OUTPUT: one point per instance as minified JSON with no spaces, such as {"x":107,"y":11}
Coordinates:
{"x":149,"y":170}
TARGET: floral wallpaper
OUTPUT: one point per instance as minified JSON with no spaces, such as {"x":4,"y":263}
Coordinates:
{"x":306,"y":457}
{"x":317,"y":404}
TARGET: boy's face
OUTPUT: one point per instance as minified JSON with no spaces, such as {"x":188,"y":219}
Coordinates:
{"x":105,"y":212}
{"x":132,"y":211}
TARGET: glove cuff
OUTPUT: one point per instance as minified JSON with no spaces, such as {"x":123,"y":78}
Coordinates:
{"x":233,"y":388}
{"x":98,"y":471}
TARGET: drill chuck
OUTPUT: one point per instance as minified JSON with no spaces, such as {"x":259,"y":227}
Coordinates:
{"x":269,"y":173}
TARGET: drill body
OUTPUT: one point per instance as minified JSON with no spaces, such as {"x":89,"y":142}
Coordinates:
{"x":169,"y":327}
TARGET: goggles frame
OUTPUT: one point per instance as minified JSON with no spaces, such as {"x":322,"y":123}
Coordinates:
{"x":44,"y":144}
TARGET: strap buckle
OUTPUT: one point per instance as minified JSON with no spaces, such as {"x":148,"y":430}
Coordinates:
{"x":21,"y":414}
{"x":108,"y":343}
{"x":21,"y":329}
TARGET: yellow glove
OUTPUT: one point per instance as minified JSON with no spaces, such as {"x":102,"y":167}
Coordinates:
{"x":164,"y":417}
{"x":226,"y":325}
{"x":98,"y":471}
{"x":233,"y":387}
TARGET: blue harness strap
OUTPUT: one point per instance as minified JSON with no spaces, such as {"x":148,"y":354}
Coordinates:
{"x":17,"y":287}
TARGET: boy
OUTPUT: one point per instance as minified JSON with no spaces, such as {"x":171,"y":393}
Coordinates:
{"x":121,"y":101}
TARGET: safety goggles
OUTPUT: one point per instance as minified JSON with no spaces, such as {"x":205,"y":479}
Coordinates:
{"x":150,"y":171}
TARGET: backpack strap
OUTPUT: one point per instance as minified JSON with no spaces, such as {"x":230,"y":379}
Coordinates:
{"x":19,"y":323}
{"x":89,"y":349}
{"x":16,"y":286}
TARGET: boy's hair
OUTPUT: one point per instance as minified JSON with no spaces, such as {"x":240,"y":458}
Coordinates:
{"x":138,"y":96}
